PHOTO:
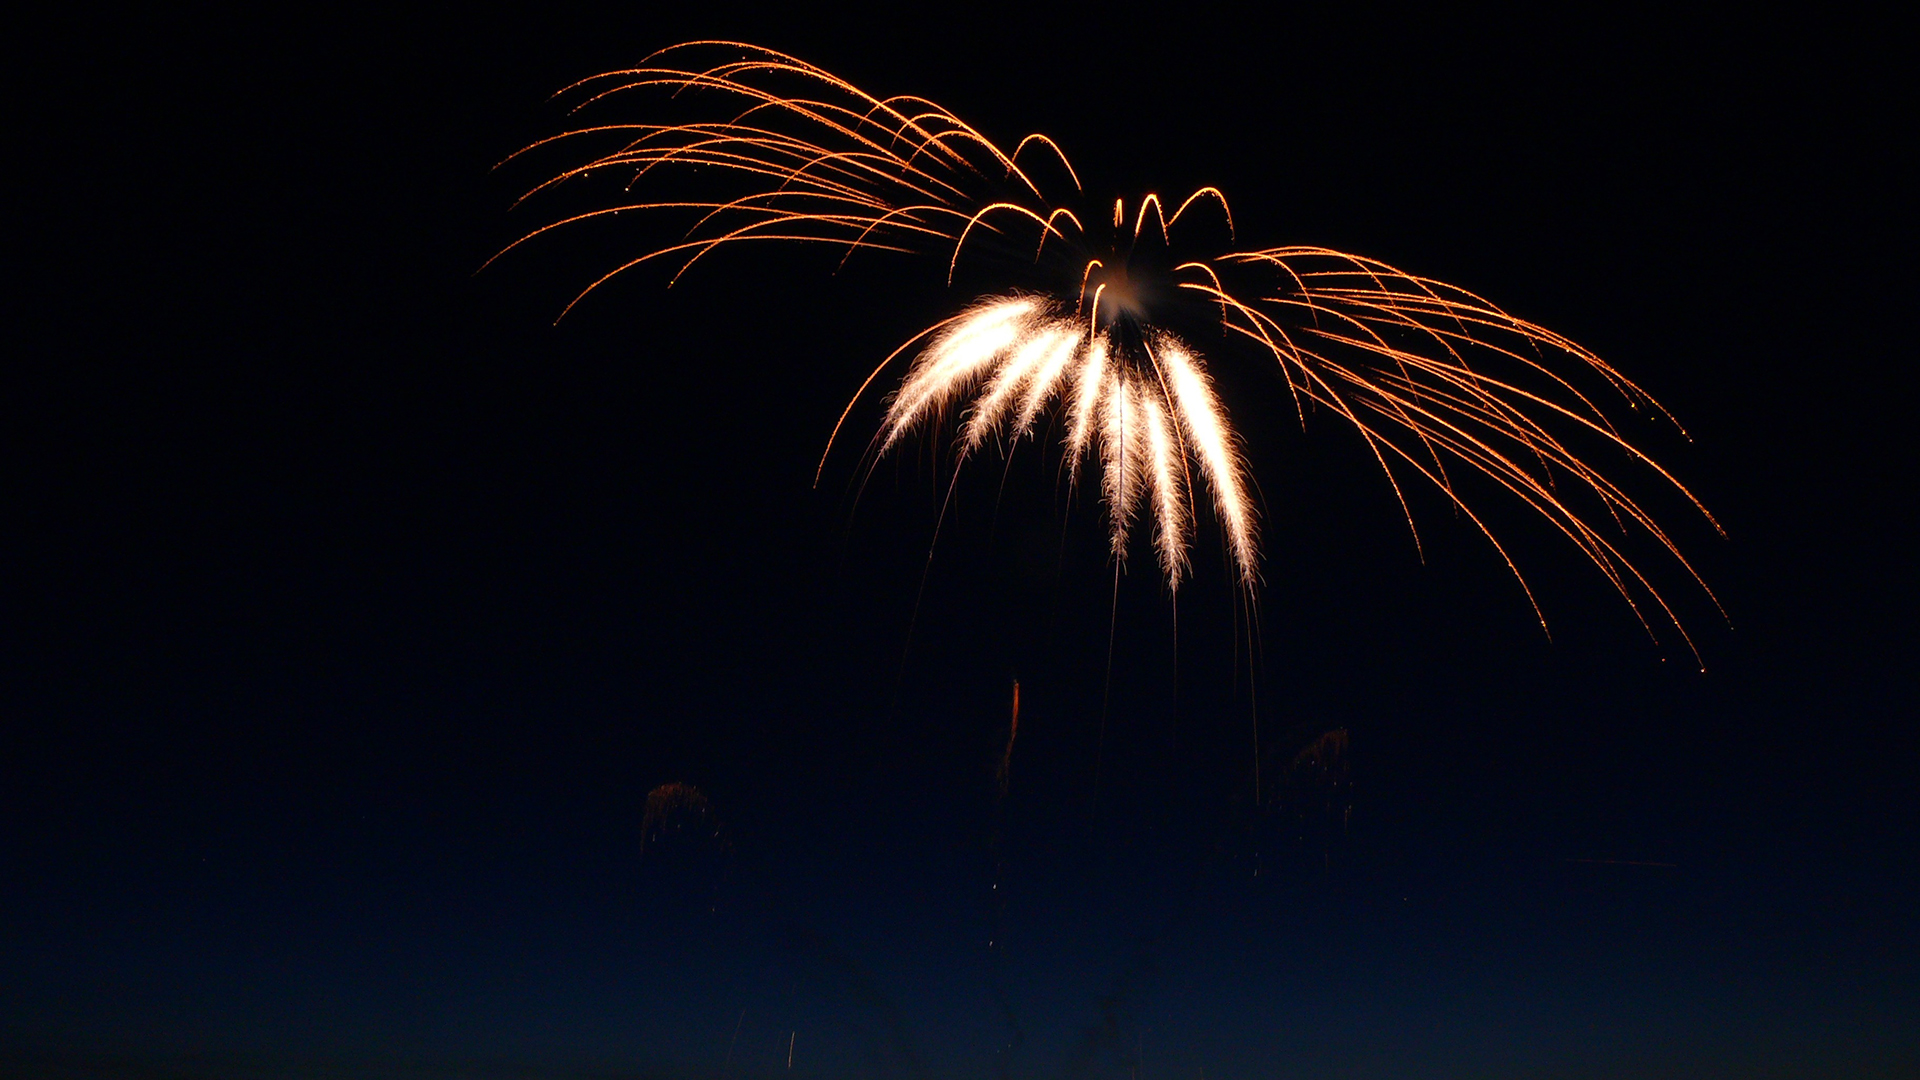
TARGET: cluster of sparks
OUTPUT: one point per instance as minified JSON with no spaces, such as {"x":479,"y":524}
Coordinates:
{"x":1146,"y":425}
{"x":1436,"y":381}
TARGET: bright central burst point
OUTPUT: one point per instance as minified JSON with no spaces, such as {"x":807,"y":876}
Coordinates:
{"x":1122,"y":295}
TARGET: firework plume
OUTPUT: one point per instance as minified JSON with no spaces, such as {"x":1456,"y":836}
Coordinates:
{"x":747,"y":144}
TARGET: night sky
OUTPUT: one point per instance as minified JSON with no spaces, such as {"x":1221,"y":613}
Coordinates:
{"x":352,"y":609}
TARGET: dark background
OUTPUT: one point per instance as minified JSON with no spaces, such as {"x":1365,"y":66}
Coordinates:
{"x":351,"y":609}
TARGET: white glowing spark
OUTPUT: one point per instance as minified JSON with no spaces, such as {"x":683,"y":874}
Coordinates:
{"x":955,"y":360}
{"x":1086,"y":402}
{"x":1020,"y":369}
{"x":1170,"y":503}
{"x":1121,"y":452}
{"x":1205,"y":424}
{"x":1046,"y":381}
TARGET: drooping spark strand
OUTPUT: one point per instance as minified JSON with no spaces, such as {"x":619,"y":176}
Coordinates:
{"x":955,"y":359}
{"x":1046,"y":380}
{"x":1170,"y":504}
{"x":1122,"y":451}
{"x":1088,"y":379}
{"x":1206,"y":425}
{"x":1028,"y":359}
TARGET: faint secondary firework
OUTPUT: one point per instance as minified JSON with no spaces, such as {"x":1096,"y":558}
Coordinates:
{"x":748,"y":144}
{"x":675,"y":811}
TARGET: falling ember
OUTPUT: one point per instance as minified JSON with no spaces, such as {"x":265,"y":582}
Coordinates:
{"x":1438,"y":382}
{"x":1013,"y":732}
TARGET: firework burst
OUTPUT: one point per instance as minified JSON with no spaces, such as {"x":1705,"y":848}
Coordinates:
{"x":1438,"y":382}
